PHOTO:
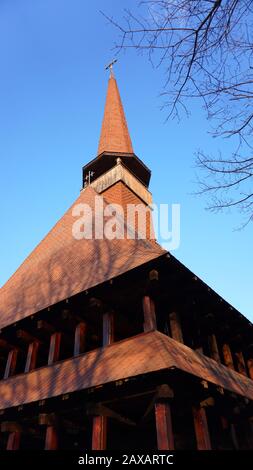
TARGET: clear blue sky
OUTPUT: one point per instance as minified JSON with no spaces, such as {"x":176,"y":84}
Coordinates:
{"x":52,"y":92}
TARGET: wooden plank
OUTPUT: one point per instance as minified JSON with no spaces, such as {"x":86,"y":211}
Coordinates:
{"x":149,"y":314}
{"x":32,"y":355}
{"x":164,"y":431}
{"x":240,"y":363}
{"x":99,"y":432}
{"x":213,"y":346}
{"x":80,"y":338}
{"x":51,"y":441}
{"x":201,"y":429}
{"x":13,"y":442}
{"x":175,"y":327}
{"x":54,"y":348}
{"x":250,"y":367}
{"x":11,"y":363}
{"x":108,"y":328}
{"x":227,"y":355}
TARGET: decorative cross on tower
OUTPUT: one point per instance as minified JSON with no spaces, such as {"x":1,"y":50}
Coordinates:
{"x":88,"y":178}
{"x":110,"y":66}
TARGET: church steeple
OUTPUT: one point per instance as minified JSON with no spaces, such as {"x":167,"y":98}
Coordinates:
{"x":115,"y":160}
{"x":114,"y":135}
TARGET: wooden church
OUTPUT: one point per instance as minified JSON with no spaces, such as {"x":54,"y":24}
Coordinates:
{"x":114,"y":344}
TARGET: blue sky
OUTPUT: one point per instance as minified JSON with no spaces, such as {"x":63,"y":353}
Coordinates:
{"x":52,"y":92}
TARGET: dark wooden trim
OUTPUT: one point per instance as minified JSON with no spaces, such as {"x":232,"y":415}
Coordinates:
{"x":227,"y":356}
{"x":80,"y":338}
{"x":14,"y":439}
{"x":54,"y":348}
{"x":149,"y":314}
{"x":201,"y":428}
{"x":108,"y":328}
{"x":240,"y":363}
{"x":51,"y":440}
{"x":11,"y":363}
{"x":32,"y":355}
{"x":175,"y":327}
{"x":213,"y":346}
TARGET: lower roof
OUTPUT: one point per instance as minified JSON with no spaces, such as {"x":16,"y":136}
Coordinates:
{"x":142,"y":354}
{"x":62,"y":266}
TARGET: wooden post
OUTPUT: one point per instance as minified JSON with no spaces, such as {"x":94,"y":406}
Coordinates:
{"x":51,"y":441}
{"x":250,"y":367}
{"x":227,"y":355}
{"x":11,"y":363}
{"x":80,"y":338}
{"x":108,"y":328}
{"x":201,"y":428}
{"x":164,"y":432}
{"x":99,"y":432}
{"x":175,"y":327}
{"x":54,"y":348}
{"x":240,"y":363}
{"x":213,"y":346}
{"x":32,"y":355}
{"x":13,"y":442}
{"x":234,"y":436}
{"x":149,"y":314}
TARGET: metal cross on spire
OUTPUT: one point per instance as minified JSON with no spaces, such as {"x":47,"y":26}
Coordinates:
{"x":110,"y":67}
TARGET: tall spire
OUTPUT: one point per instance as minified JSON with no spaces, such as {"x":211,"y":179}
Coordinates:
{"x":114,"y":135}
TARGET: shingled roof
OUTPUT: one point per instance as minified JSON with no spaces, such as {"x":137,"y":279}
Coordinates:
{"x":61,"y":266}
{"x":142,"y":354}
{"x":114,"y":135}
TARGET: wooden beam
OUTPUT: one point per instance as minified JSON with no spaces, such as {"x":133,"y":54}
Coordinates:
{"x":80,"y":338}
{"x":14,"y":439}
{"x":25,"y":336}
{"x":240,"y":363}
{"x":108,"y":328}
{"x":5,"y":345}
{"x":250,"y":367}
{"x":201,"y":428}
{"x":175,"y":327}
{"x":99,"y":432}
{"x":51,"y":441}
{"x":32,"y":355}
{"x":11,"y":363}
{"x":213,"y":347}
{"x":164,"y":432}
{"x":227,"y":355}
{"x":54,"y":348}
{"x":149,"y":314}
{"x":45,"y":326}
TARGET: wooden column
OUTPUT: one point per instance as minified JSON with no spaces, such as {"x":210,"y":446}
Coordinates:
{"x":14,"y":430}
{"x":149,"y":314}
{"x":80,"y":338}
{"x":164,"y":430}
{"x":32,"y":355}
{"x":13,"y":442}
{"x":240,"y":363}
{"x":51,"y":422}
{"x":227,"y":355}
{"x":108,"y":328}
{"x":201,"y":428}
{"x":54,"y":348}
{"x":99,"y":432}
{"x":51,"y":441}
{"x":11,"y":363}
{"x":213,"y":346}
{"x":250,"y":367}
{"x":175,"y":327}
